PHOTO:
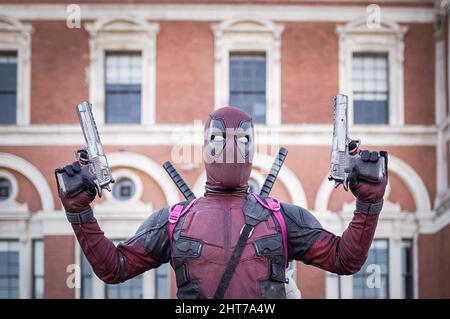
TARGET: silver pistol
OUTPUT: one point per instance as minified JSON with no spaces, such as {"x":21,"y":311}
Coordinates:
{"x":345,"y":156}
{"x":96,"y":158}
{"x":92,"y":158}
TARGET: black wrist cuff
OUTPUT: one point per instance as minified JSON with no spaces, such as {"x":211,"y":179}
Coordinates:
{"x":369,"y":208}
{"x":80,"y":218}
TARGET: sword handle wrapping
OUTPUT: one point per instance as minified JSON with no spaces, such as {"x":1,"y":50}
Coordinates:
{"x":178,"y":180}
{"x":273,"y":173}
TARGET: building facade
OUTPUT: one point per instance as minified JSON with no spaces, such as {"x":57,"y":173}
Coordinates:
{"x":154,"y":70}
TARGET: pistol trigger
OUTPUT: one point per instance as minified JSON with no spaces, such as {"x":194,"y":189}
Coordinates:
{"x":82,"y":156}
{"x":353,"y":146}
{"x":345,"y":183}
{"x":98,"y":189}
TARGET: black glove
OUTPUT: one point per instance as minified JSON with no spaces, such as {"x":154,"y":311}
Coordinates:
{"x":368,"y":193}
{"x":79,"y":186}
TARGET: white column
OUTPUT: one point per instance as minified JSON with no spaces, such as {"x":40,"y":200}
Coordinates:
{"x":442,"y":163}
{"x":416,"y":265}
{"x":395,"y":266}
{"x":347,"y":287}
{"x":440,"y":96}
{"x":77,"y":258}
{"x":149,"y":284}
{"x":448,"y":56}
{"x":98,"y":288}
{"x":440,"y":80}
{"x":25,"y":265}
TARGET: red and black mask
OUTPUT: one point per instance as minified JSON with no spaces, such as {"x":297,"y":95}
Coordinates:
{"x":228,"y":150}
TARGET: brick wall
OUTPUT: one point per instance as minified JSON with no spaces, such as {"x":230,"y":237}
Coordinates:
{"x":59,"y":253}
{"x":309,"y":72}
{"x":59,"y":61}
{"x":184,"y":72}
{"x":419,"y":74}
{"x":434,"y":265}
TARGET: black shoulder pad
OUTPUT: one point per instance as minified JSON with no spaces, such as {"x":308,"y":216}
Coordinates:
{"x":155,"y":221}
{"x":300,"y":216}
{"x":254,"y":212}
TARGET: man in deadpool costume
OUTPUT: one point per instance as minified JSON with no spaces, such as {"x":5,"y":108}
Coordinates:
{"x":201,"y":242}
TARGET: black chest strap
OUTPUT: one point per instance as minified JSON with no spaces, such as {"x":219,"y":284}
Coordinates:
{"x":254,"y":213}
{"x":234,"y":260}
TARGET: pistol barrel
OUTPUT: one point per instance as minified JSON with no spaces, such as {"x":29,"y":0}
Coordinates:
{"x":96,"y":155}
{"x":339,"y":150}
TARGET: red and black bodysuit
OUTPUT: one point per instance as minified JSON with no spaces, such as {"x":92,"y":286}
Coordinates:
{"x":204,"y":237}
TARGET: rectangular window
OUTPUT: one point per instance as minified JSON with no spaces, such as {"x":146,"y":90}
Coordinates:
{"x":248,"y":84}
{"x":123,"y":79}
{"x":372,"y":281}
{"x":9,"y":269}
{"x":447,"y":145}
{"x":333,"y":284}
{"x":38,"y":269}
{"x":130,"y":289}
{"x":86,"y":278}
{"x":162,"y":282}
{"x":407,"y":269}
{"x":8,"y":87}
{"x":370,"y":81}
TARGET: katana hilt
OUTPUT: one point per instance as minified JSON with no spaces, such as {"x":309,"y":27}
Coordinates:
{"x":273,"y":173}
{"x":179,"y":181}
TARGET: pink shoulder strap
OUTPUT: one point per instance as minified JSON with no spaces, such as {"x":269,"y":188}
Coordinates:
{"x":175,"y":212}
{"x":274,"y":206}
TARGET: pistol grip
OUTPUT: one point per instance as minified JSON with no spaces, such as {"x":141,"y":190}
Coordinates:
{"x":69,"y":186}
{"x":371,"y":172}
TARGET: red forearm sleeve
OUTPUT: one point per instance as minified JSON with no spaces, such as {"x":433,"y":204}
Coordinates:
{"x":344,"y":255}
{"x":110,"y":263}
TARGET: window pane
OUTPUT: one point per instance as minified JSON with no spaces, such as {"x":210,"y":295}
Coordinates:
{"x":38,"y":269}
{"x":86,"y":278}
{"x":333,"y":286}
{"x":407,"y":269}
{"x":8,"y":87}
{"x":9,"y":269}
{"x":372,"y":281}
{"x":39,"y":288}
{"x":123,"y":78}
{"x":130,"y":289}
{"x":162,"y":282}
{"x":370,"y":112}
{"x":38,"y":257}
{"x":370,"y":88}
{"x":248,"y":84}
{"x":124,"y":189}
{"x":5,"y":189}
